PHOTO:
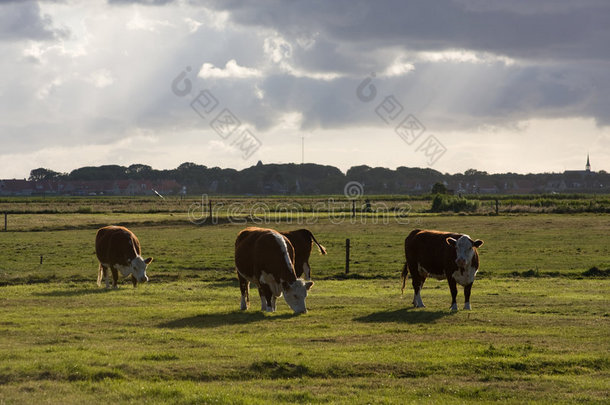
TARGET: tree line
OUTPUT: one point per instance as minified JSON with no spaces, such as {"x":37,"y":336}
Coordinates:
{"x":323,"y":179}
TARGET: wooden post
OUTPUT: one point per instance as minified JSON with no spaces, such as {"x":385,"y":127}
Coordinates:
{"x":497,"y":207}
{"x":5,"y":221}
{"x":41,"y":259}
{"x":210,"y":210}
{"x":353,"y":209}
{"x":346,"y":256}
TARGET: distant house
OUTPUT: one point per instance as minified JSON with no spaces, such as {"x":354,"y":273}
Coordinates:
{"x":485,"y":186}
{"x":17,"y":187}
{"x":88,"y":187}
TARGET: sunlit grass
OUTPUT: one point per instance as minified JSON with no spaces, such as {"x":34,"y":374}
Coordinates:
{"x":186,"y":341}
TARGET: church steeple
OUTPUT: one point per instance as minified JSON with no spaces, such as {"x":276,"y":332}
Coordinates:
{"x":588,"y":166}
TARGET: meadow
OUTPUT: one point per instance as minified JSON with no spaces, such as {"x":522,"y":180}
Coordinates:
{"x":539,"y":330}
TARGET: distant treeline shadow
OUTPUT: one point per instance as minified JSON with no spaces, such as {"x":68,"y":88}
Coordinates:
{"x":222,"y":319}
{"x":405,"y":315}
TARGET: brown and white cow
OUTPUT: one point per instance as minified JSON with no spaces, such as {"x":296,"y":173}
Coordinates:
{"x":265,"y":257}
{"x":442,"y":255}
{"x":118,"y":249}
{"x":302,"y":241}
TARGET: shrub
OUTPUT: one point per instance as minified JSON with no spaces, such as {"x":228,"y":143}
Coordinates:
{"x":442,"y":203}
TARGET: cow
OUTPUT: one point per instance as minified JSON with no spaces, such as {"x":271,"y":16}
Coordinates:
{"x":118,"y":249}
{"x":302,"y":240}
{"x":443,"y":255}
{"x":266,"y":258}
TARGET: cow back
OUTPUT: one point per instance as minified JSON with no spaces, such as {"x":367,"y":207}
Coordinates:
{"x":429,"y":249}
{"x":301,"y":242}
{"x":116,"y":245}
{"x":258,"y":250}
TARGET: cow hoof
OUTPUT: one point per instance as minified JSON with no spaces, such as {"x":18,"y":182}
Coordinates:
{"x":453,"y":307}
{"x":467,"y":306}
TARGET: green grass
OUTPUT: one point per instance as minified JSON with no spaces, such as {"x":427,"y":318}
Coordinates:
{"x":539,"y":330}
{"x":186,"y":342}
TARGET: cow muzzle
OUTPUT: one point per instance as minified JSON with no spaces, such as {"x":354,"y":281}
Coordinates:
{"x":461,"y":263}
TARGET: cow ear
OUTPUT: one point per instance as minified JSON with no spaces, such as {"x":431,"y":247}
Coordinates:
{"x":308,"y":285}
{"x":451,"y":241}
{"x":148,"y":260}
{"x":477,"y":243}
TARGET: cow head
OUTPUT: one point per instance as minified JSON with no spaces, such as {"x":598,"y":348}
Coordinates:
{"x":295,"y":294}
{"x":465,"y":251}
{"x":138,"y":269}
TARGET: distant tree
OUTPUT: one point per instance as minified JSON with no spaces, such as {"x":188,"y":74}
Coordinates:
{"x":106,"y":172}
{"x":187,"y":166}
{"x":474,"y":172}
{"x":138,"y":168}
{"x":439,"y":188}
{"x":43,"y":174}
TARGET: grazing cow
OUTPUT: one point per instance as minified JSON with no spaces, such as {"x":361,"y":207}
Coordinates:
{"x":442,"y":255}
{"x":265,"y":257}
{"x":302,"y":240}
{"x":118,"y":249}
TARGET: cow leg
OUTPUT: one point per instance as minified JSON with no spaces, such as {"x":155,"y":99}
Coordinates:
{"x":115,"y":277}
{"x":418,"y":283}
{"x":273,"y":303}
{"x":244,"y":287}
{"x":104,"y":271}
{"x":467,"y":296}
{"x":265,"y":293}
{"x":453,"y":289}
{"x":298,"y":268}
{"x":307,"y":271}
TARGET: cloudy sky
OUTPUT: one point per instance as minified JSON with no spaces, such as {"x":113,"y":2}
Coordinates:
{"x":520,"y":86}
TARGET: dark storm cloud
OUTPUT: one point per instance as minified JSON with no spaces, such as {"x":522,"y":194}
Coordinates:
{"x":523,"y":30}
{"x":559,"y":49}
{"x":23,"y":20}
{"x":143,"y":2}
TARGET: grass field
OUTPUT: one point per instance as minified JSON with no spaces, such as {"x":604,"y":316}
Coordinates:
{"x":539,"y":330}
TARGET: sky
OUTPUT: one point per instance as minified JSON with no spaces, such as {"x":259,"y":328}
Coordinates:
{"x":500,"y":86}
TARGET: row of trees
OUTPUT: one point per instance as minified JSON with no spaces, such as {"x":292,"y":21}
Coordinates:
{"x":313,"y":178}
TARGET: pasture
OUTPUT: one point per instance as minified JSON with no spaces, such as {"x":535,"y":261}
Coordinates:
{"x":539,"y":330}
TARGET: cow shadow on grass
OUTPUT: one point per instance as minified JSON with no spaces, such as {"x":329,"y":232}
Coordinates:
{"x":73,"y":292}
{"x":405,"y":315}
{"x":223,"y":319}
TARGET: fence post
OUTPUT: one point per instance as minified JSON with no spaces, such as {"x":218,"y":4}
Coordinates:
{"x":210,"y":210}
{"x":5,"y":221}
{"x":497,"y":207}
{"x":353,"y":208}
{"x":346,"y":256}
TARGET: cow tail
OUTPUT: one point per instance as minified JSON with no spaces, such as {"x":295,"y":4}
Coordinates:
{"x":320,"y":247}
{"x":404,"y":277}
{"x":100,"y":274}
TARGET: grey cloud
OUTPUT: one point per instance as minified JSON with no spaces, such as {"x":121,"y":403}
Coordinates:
{"x":560,"y":49}
{"x":576,"y":30}
{"x":23,"y":20}
{"x":144,"y":2}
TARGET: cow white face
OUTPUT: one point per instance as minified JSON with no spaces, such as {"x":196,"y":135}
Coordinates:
{"x":138,"y":268}
{"x":295,"y":295}
{"x":464,"y":249}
